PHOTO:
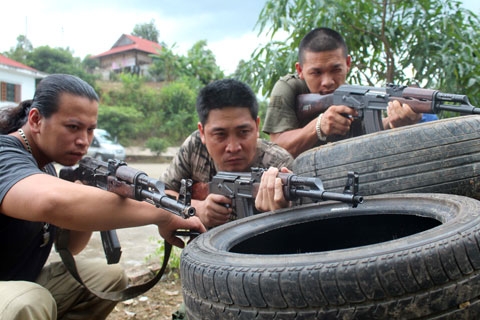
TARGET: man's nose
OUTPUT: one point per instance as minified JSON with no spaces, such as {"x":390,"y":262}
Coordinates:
{"x":82,"y":138}
{"x":233,"y":145}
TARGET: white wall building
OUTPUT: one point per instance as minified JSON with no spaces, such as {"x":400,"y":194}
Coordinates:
{"x":17,"y":81}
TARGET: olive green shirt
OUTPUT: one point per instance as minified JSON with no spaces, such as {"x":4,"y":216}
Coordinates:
{"x":281,"y":109}
{"x":281,"y":114}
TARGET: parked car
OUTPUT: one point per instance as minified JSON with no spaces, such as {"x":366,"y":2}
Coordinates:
{"x":104,"y":147}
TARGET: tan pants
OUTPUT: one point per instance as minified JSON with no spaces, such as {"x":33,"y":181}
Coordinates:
{"x":56,"y":294}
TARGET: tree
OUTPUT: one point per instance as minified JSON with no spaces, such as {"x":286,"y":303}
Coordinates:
{"x":201,"y":63}
{"x":167,"y":66}
{"x":58,"y":60}
{"x":90,"y":64}
{"x":21,"y":50}
{"x":176,"y":117}
{"x":146,"y":31}
{"x":433,"y":42}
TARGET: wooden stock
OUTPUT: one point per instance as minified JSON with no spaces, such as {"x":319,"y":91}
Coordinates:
{"x":310,"y":105}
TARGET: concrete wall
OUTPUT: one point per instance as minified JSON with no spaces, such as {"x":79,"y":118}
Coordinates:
{"x":25,"y":78}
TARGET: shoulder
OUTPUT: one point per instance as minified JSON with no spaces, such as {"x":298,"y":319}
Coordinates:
{"x":272,"y":155}
{"x":16,"y":163}
{"x":293,"y":83}
{"x":193,"y":143}
{"x":191,"y":161}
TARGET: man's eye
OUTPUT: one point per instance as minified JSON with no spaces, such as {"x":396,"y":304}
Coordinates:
{"x":245,"y":132}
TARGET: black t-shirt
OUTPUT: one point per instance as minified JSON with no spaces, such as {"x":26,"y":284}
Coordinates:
{"x":22,"y":245}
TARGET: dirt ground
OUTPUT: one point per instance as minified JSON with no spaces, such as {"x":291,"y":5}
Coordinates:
{"x":157,"y":303}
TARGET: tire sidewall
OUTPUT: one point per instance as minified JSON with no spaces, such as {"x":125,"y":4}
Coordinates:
{"x":213,"y":247}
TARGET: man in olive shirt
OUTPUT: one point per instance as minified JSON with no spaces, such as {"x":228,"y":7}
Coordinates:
{"x":227,"y":139}
{"x":323,"y":65}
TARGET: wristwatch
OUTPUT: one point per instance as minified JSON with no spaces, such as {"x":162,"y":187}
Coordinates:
{"x":320,"y":136}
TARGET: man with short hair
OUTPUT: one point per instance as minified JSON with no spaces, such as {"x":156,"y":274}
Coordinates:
{"x":323,"y":65}
{"x":227,"y":139}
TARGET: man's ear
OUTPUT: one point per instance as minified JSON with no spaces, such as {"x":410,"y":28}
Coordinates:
{"x":202,"y":132}
{"x":34,"y":120}
{"x":258,"y":127}
{"x":349,"y":62}
{"x":299,"y":69}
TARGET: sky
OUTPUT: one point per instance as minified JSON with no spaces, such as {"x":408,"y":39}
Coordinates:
{"x":93,"y":26}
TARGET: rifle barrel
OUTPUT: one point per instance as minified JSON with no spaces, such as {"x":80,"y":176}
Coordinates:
{"x":462,"y":108}
{"x":168,"y":203}
{"x":326,"y":195}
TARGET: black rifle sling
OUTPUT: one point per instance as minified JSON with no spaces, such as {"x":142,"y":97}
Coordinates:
{"x":125,"y":294}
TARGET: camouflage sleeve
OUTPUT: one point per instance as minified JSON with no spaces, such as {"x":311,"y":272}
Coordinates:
{"x":272,"y":155}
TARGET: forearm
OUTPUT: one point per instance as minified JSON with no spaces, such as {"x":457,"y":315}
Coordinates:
{"x":298,"y":140}
{"x":78,"y":240}
{"x":76,"y":207}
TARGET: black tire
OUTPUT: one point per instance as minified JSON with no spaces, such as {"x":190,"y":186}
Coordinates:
{"x":440,"y":156}
{"x":403,"y":256}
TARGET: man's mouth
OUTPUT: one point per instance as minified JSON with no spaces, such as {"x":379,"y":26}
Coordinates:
{"x":78,"y":154}
{"x":233,"y":160}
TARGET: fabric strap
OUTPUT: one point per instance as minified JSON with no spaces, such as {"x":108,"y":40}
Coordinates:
{"x":125,"y":294}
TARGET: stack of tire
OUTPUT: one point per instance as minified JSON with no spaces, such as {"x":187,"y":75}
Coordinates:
{"x":410,"y":251}
{"x":440,"y":156}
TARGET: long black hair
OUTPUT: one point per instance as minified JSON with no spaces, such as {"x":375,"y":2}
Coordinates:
{"x":47,"y":95}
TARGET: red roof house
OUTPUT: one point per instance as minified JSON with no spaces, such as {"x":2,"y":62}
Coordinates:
{"x":17,"y":81}
{"x":128,"y":54}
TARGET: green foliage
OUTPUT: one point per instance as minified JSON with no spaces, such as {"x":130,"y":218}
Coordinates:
{"x":168,"y":114}
{"x":146,"y":31}
{"x":173,"y":261}
{"x":90,"y":64}
{"x":177,"y":118}
{"x":167,"y":66}
{"x":59,"y":60}
{"x":21,"y":50}
{"x":133,"y":93}
{"x":433,"y":42}
{"x":199,"y":63}
{"x":157,"y":145}
{"x":120,"y":121}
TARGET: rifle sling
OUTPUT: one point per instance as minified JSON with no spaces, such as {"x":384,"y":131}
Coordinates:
{"x":125,"y":294}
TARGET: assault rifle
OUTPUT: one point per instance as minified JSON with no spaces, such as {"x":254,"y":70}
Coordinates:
{"x":115,"y":176}
{"x":370,"y":101}
{"x":242,"y":188}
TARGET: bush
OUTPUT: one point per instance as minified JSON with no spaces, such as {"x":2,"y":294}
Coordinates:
{"x":120,"y":122}
{"x":157,"y":145}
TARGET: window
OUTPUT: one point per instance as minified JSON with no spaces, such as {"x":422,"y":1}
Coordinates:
{"x":10,"y":92}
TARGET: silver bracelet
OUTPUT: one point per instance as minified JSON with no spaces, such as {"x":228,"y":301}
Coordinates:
{"x":320,"y":136}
